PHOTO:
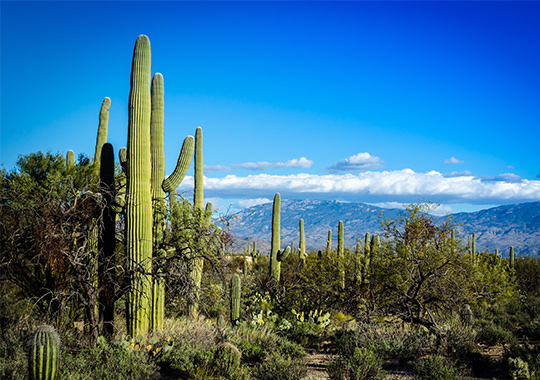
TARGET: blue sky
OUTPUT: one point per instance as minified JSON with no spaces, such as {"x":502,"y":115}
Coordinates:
{"x":379,"y":102}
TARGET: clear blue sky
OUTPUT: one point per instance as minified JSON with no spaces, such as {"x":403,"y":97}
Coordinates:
{"x":377,"y":102}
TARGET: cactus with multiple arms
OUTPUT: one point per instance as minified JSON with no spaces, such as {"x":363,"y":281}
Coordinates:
{"x":44,"y":354}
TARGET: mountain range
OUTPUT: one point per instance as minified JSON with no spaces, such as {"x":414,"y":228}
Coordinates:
{"x":495,"y":228}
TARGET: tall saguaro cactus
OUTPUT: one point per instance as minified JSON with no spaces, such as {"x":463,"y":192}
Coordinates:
{"x":512,"y":258}
{"x":329,"y":242}
{"x":302,"y":243}
{"x":203,"y":217}
{"x":235,"y":298}
{"x":341,"y":255}
{"x":277,"y":255}
{"x":138,"y":209}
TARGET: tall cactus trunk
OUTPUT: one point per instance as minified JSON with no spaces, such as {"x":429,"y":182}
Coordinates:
{"x":158,"y":197}
{"x":275,"y":265}
{"x":138,"y":208}
{"x":107,"y":241}
{"x":341,"y":255}
{"x":198,"y":210}
{"x":235,"y":298}
{"x":302,"y":243}
{"x":329,"y":242}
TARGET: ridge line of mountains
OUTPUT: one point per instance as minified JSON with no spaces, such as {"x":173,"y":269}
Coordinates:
{"x":499,"y":227}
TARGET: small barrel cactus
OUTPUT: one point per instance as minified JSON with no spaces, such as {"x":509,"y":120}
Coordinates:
{"x":43,"y":354}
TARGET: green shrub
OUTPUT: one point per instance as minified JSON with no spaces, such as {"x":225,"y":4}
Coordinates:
{"x":280,"y":368}
{"x":98,"y":362}
{"x":518,"y":369}
{"x":251,"y":353}
{"x":361,"y":365}
{"x":13,"y":361}
{"x":190,"y":360}
{"x":227,"y":360}
{"x":436,"y":368}
{"x":492,"y":335}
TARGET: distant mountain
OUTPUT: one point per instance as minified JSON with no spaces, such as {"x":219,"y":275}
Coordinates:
{"x":498,"y":227}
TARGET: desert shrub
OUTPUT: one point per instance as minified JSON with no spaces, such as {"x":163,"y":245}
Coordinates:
{"x":251,"y":353}
{"x":227,"y":360}
{"x":492,"y":335}
{"x":362,"y":364}
{"x":387,"y":341}
{"x":280,"y":368}
{"x":190,"y":360}
{"x":105,"y":361}
{"x":13,"y":362}
{"x":436,"y":368}
{"x":518,"y":369}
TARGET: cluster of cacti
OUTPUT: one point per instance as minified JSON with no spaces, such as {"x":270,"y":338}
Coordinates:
{"x":277,"y":255}
{"x":144,"y":164}
{"x":43,"y":354}
{"x":235,"y":298}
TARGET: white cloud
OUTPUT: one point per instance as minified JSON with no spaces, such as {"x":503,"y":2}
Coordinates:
{"x":453,"y":161}
{"x":401,"y":185}
{"x":295,"y":163}
{"x":245,"y":203}
{"x":440,"y":210}
{"x":358,"y":162}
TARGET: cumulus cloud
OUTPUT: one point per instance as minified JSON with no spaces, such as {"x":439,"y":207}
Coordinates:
{"x":358,"y":162}
{"x":453,"y":161}
{"x":440,"y":210}
{"x":464,"y":173}
{"x":401,"y":185}
{"x":295,"y":163}
{"x":245,"y":203}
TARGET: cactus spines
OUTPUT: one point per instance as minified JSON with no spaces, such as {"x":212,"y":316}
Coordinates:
{"x":44,"y":354}
{"x":235,"y":298}
{"x":70,"y":159}
{"x":138,"y":209}
{"x":302,"y":243}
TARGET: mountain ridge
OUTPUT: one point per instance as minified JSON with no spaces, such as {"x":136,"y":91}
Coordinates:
{"x":516,"y":225}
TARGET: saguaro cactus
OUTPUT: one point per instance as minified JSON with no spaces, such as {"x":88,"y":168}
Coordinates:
{"x":235,"y":298}
{"x":138,"y":209}
{"x":204,"y":216}
{"x":44,"y":354}
{"x":302,"y":243}
{"x":329,"y":242}
{"x":473,"y":247}
{"x":341,"y":255}
{"x":277,"y":255}
{"x":70,"y":159}
{"x":512,"y":258}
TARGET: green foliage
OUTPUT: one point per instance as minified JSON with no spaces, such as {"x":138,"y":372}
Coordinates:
{"x":13,"y":355}
{"x":227,"y":359}
{"x":436,"y":368}
{"x":518,"y":369}
{"x":363,"y":364}
{"x":106,"y":361}
{"x":280,"y":368}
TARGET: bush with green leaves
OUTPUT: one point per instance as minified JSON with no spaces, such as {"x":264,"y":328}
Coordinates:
{"x":279,"y":367}
{"x":363,"y":364}
{"x":436,"y":368}
{"x":518,"y":369}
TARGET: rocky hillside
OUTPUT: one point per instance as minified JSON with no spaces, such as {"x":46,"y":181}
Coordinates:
{"x":499,"y":227}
